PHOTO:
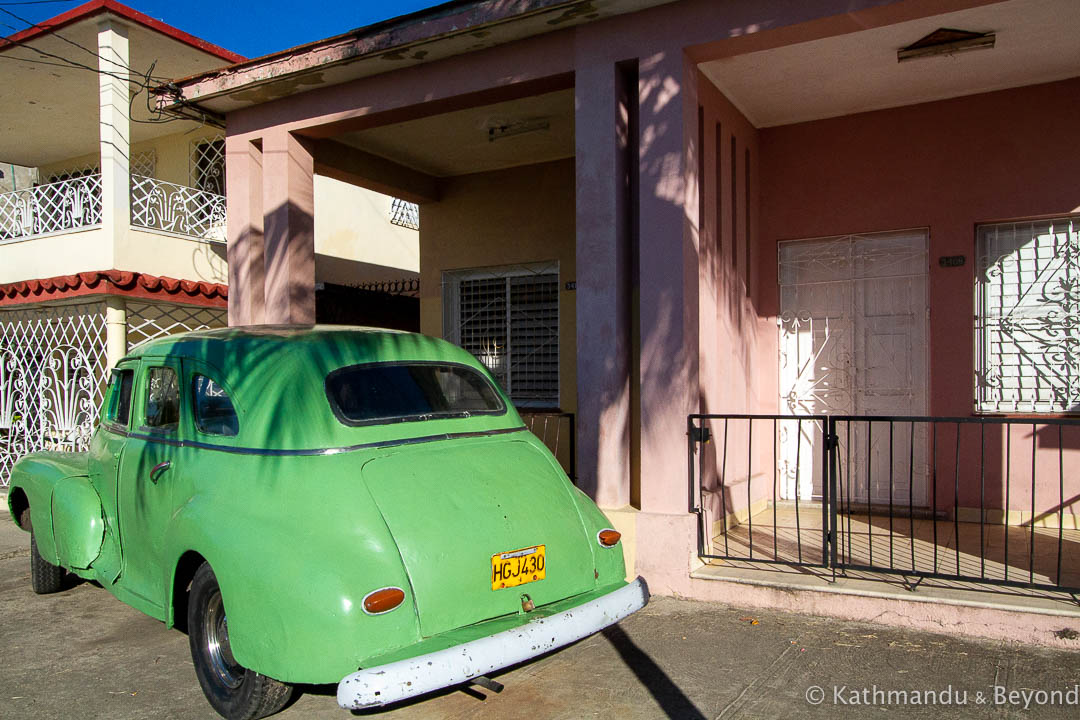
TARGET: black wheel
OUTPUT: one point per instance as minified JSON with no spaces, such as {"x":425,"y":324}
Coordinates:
{"x":45,"y":577}
{"x":234,"y":691}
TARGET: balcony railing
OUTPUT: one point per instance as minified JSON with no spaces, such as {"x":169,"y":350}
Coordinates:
{"x":53,"y":208}
{"x":168,"y":207}
{"x":75,"y":203}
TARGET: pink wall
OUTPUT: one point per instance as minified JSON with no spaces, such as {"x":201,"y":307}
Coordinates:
{"x":737,"y":341}
{"x":948,"y":166}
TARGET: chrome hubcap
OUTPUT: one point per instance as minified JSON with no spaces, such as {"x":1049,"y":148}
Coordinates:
{"x":229,"y":673}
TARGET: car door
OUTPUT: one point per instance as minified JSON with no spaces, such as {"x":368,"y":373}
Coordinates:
{"x":147,"y":474}
{"x":106,"y":450}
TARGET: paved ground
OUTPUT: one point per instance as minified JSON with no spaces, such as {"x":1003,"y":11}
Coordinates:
{"x":83,"y":653}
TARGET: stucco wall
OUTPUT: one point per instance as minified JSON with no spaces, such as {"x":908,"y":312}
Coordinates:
{"x":354,"y":223}
{"x":172,"y":156}
{"x":948,"y":166}
{"x":737,"y":346}
{"x":507,"y":217}
{"x":54,"y":255}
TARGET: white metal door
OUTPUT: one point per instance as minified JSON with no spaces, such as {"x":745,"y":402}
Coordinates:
{"x":853,"y":337}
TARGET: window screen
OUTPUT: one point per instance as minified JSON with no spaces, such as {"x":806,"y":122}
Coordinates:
{"x":389,"y":392}
{"x":214,"y":411}
{"x":509,"y":319}
{"x":162,"y":398}
{"x":1027,"y":320}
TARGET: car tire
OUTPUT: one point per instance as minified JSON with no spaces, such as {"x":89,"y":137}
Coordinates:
{"x":45,"y":577}
{"x":236,"y":692}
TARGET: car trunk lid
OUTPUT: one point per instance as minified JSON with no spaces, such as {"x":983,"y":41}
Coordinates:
{"x":452,"y":505}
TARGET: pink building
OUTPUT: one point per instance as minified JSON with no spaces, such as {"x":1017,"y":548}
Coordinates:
{"x":764,"y":213}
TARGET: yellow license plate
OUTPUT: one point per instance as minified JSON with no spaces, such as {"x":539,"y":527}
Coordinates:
{"x":517,"y":567}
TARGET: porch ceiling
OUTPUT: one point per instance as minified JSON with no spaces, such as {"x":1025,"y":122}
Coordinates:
{"x":1037,"y":42}
{"x":50,"y":109}
{"x":457,"y":143}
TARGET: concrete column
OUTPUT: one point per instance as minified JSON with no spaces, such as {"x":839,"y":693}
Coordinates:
{"x":603,"y":317}
{"x":668,"y":260}
{"x":115,"y":329}
{"x":289,"y":228}
{"x":247,"y":272}
{"x":114,"y":127}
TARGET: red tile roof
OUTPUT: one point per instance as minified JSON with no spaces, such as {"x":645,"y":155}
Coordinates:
{"x":96,"y":7}
{"x":114,"y":282}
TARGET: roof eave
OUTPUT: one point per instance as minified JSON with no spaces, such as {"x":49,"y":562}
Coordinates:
{"x":434,"y":28}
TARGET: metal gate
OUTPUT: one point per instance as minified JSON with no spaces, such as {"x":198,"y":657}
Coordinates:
{"x":1002,"y":505}
{"x":53,"y":369}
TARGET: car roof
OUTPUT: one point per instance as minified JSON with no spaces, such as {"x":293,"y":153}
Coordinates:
{"x":199,"y":343}
{"x":275,"y":376}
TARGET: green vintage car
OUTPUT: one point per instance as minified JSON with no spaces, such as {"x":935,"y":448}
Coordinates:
{"x":325,"y":505}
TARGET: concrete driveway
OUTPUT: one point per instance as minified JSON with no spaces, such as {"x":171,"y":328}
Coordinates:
{"x":83,"y":653}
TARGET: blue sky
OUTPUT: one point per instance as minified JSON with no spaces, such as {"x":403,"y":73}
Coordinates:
{"x":248,"y":27}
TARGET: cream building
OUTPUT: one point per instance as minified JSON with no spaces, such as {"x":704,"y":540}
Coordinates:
{"x":113,"y":218}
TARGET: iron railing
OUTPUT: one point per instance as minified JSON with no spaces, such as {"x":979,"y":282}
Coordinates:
{"x":56,"y":207}
{"x":75,"y":204}
{"x":981,"y":499}
{"x":168,"y":207}
{"x":558,"y":432}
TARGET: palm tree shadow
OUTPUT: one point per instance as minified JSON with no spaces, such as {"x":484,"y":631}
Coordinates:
{"x":667,"y":694}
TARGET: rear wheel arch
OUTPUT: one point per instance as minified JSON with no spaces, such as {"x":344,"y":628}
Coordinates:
{"x":186,"y":566}
{"x":20,"y":509}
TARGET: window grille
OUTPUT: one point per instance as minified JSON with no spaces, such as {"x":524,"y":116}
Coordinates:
{"x":73,"y":172}
{"x":144,"y":163}
{"x":147,"y":321}
{"x":52,"y":379}
{"x":405,"y":214}
{"x":1027,"y":317}
{"x":509,"y":319}
{"x":207,"y":165}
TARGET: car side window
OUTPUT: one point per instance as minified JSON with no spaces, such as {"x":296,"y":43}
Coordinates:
{"x":214,"y":411}
{"x":119,"y":409}
{"x":162,"y":399}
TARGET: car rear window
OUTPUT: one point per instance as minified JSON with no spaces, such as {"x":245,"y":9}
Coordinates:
{"x":214,"y":411}
{"x":399,"y":392}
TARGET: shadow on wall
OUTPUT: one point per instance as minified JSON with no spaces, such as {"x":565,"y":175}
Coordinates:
{"x":289,"y":247}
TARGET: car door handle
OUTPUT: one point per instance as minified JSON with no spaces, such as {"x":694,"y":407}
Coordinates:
{"x":156,"y":471}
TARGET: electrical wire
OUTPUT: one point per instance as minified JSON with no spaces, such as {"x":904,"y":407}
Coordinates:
{"x":147,"y":81}
{"x":57,"y":35}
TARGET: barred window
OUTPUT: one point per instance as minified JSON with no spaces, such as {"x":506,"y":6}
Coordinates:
{"x":207,"y":165}
{"x":508,"y":317}
{"x":1027,"y":317}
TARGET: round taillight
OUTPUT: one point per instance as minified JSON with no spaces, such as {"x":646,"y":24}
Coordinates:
{"x":608,"y":537}
{"x":383,"y":600}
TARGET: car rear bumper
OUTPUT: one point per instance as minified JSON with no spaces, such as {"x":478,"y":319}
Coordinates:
{"x":415,"y":676}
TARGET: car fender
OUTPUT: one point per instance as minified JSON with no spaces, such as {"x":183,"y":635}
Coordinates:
{"x":37,"y":476}
{"x":78,"y":522}
{"x":293,"y":590}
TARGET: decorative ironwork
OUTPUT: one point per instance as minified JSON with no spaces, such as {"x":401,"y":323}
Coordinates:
{"x":52,"y":379}
{"x":852,"y":331}
{"x":66,"y":395}
{"x":147,"y":321}
{"x":207,"y":169}
{"x":144,"y":163}
{"x":1028,"y":317}
{"x":160,"y":205}
{"x":74,"y":171}
{"x":56,"y":207}
{"x":53,"y":369}
{"x":405,"y":214}
{"x":409,"y":287}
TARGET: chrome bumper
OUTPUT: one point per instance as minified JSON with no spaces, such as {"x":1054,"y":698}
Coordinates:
{"x":456,"y":665}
